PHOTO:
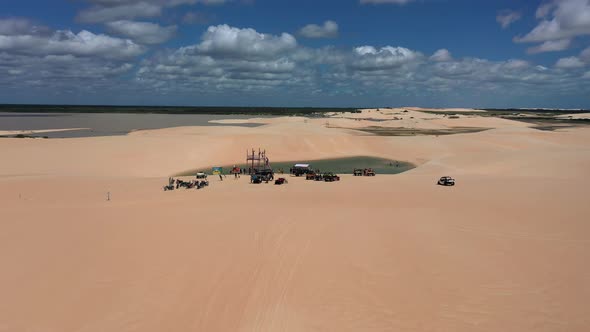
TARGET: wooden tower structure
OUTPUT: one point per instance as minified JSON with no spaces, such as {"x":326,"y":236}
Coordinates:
{"x":257,"y":161}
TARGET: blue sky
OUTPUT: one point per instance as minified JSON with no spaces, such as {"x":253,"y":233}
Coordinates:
{"x":435,"y":53}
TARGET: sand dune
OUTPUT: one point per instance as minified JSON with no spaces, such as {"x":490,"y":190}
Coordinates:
{"x":504,"y":250}
{"x":575,"y":116}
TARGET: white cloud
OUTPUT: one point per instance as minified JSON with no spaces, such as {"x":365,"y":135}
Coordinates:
{"x":515,"y":64}
{"x":361,"y":70}
{"x":560,"y":20}
{"x":367,"y":70}
{"x":324,"y":55}
{"x":17,"y":26}
{"x":544,"y":9}
{"x":328,"y":30}
{"x":469,"y":75}
{"x":124,"y":11}
{"x":231,"y":58}
{"x":169,"y":3}
{"x":441,"y":55}
{"x":550,"y":46}
{"x":35,"y":56}
{"x":507,"y":17}
{"x":369,"y":58}
{"x":60,"y":73}
{"x":142,"y":32}
{"x":84,"y":43}
{"x":397,"y":2}
{"x":494,"y":75}
{"x":112,"y":10}
{"x":281,"y":65}
{"x":244,"y":43}
{"x":457,"y":69}
{"x":569,"y":63}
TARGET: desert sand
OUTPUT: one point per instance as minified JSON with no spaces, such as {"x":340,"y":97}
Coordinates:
{"x":506,"y":249}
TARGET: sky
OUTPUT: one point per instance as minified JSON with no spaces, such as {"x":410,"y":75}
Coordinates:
{"x":332,"y":53}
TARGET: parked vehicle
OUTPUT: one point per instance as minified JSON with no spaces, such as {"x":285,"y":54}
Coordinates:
{"x":300,"y":169}
{"x":255,"y":178}
{"x":280,"y":181}
{"x":266,"y":174}
{"x":299,"y":172}
{"x":330,"y":177}
{"x":446,"y":181}
{"x":259,"y":177}
{"x":363,"y":172}
{"x":201,"y":175}
{"x":187,"y":184}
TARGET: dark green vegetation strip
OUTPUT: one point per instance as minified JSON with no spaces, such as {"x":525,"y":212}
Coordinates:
{"x":22,"y":136}
{"x":509,"y":113}
{"x":387,"y":131}
{"x":534,"y":110}
{"x":307,"y":111}
{"x":551,"y":124}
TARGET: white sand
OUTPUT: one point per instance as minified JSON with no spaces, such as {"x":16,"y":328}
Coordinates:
{"x":504,"y":250}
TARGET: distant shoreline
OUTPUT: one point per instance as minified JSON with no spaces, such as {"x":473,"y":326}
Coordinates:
{"x":226,"y":110}
{"x":219,"y":110}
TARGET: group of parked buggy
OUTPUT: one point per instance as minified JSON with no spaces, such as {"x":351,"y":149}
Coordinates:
{"x":267,"y":175}
{"x":192,"y":184}
{"x":326,"y":177}
{"x":259,"y":178}
{"x":363,"y":172}
{"x":316,"y":175}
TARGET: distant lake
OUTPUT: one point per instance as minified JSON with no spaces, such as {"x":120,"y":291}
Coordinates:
{"x":344,"y":165}
{"x":103,"y":124}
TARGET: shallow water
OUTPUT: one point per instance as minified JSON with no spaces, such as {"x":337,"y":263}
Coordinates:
{"x":336,"y":165}
{"x":103,"y":124}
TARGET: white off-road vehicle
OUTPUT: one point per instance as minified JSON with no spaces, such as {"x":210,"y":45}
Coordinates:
{"x":446,"y":181}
